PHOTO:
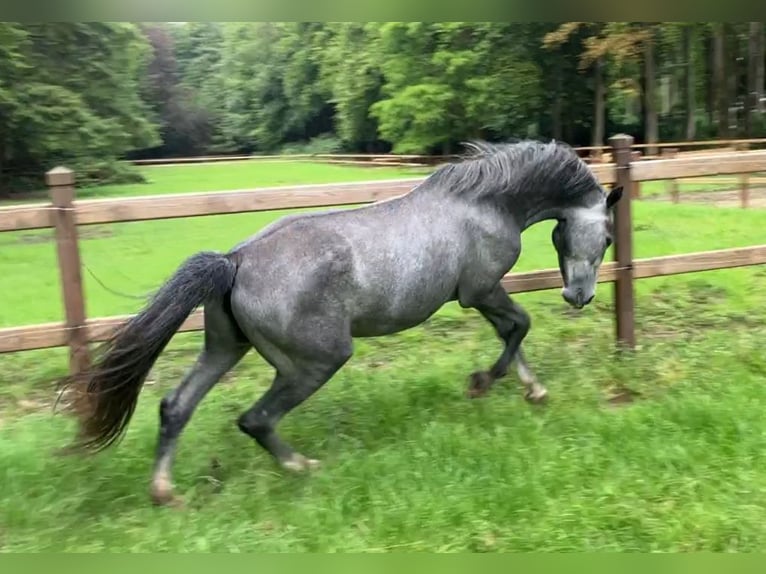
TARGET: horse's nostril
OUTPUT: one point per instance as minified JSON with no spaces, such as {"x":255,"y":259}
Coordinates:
{"x":589,"y":299}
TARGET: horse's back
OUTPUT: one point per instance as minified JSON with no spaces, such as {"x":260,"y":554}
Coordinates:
{"x":382,"y":267}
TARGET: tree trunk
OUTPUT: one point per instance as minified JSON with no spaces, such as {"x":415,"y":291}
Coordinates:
{"x":599,"y":106}
{"x":737,"y":74}
{"x":556,"y":112}
{"x":691,"y":92}
{"x":760,"y":80}
{"x":556,"y":119}
{"x":3,"y":149}
{"x":755,"y":68}
{"x":650,"y":97}
{"x":710,"y":93}
{"x":2,"y":166}
{"x":720,"y":84}
{"x":568,"y":128}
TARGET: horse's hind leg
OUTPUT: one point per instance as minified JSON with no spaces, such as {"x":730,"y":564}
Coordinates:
{"x":316,"y":352}
{"x":223,"y":348}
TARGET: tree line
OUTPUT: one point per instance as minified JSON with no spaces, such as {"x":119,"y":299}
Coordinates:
{"x":89,"y":94}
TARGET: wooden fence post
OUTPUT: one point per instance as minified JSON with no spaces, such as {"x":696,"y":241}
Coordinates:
{"x":744,"y":191}
{"x":744,"y":179}
{"x":670,"y":153}
{"x":60,"y":182}
{"x":636,"y":188}
{"x":623,"y":243}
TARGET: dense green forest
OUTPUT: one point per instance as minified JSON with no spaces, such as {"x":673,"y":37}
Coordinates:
{"x":89,"y":94}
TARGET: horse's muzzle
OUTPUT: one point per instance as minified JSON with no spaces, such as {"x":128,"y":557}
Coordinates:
{"x":576,"y":297}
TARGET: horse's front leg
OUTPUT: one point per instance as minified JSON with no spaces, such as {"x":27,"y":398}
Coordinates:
{"x":534,"y":391}
{"x":511,"y":324}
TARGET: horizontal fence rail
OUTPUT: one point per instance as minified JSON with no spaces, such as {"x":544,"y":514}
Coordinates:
{"x":65,"y":214}
{"x":49,"y":335}
{"x":167,"y":206}
{"x":705,"y":165}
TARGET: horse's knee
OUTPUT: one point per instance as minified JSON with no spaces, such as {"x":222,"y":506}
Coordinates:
{"x":524,"y":324}
{"x":522,"y":320}
{"x":253,"y":425}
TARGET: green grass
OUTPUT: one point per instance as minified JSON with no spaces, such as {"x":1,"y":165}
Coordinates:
{"x":225,"y":176}
{"x":246,"y":175}
{"x":688,"y":186}
{"x":409,"y":463}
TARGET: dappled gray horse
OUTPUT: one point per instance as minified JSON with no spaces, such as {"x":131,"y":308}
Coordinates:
{"x":300,"y":290}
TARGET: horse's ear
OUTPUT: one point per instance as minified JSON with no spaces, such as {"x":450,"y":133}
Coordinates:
{"x":613,"y":197}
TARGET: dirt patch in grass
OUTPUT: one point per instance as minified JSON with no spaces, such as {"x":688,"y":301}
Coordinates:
{"x":621,"y":396}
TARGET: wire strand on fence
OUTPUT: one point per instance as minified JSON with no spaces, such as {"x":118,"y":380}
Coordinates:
{"x":114,"y":291}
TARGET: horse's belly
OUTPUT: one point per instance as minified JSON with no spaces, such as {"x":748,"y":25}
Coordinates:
{"x":395,"y":315}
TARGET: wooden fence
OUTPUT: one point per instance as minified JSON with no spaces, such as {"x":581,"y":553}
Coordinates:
{"x":590,"y":153}
{"x":65,"y":214}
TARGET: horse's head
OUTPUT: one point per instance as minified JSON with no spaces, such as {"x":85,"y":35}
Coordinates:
{"x":581,"y":237}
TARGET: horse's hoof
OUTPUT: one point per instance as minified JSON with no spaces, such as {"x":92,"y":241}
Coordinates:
{"x":480,"y":383}
{"x":166,"y":498}
{"x":299,"y":463}
{"x":537,"y":396}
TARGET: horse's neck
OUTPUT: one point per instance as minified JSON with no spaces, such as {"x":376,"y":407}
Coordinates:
{"x":533,"y":209}
{"x":528,"y":213}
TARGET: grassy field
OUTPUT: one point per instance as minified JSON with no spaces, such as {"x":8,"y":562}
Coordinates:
{"x":409,"y":463}
{"x":688,"y":187}
{"x":221,"y":176}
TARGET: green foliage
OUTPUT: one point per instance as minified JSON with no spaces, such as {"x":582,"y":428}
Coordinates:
{"x":470,"y":80}
{"x":322,"y":144}
{"x":416,"y":118}
{"x":87,"y":94}
{"x":354,"y":80}
{"x":272,"y":85}
{"x":74,"y":99}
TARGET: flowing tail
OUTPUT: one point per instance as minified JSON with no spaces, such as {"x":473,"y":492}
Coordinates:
{"x":105,"y":395}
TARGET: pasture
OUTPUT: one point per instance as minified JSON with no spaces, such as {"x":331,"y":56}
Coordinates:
{"x":663,"y":450}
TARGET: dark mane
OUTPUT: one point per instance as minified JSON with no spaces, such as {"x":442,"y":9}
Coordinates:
{"x":507,"y":169}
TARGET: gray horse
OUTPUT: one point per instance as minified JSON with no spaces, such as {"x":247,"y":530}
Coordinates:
{"x":303,"y":288}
